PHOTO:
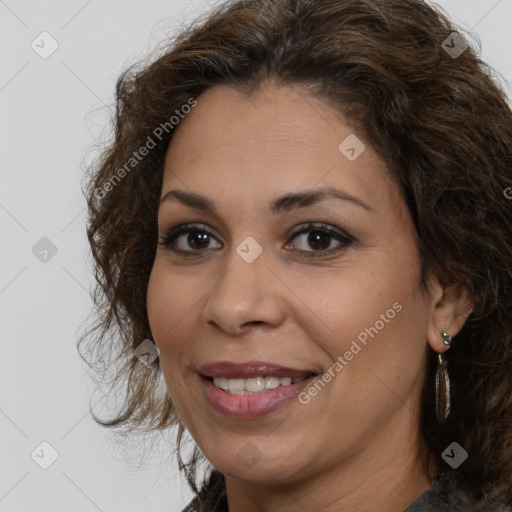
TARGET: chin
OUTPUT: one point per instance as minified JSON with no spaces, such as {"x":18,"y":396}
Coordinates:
{"x":251,"y":464}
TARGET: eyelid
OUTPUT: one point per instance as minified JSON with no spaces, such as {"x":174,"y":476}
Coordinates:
{"x":320,"y":226}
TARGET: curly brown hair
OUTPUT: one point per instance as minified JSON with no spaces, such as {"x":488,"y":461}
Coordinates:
{"x":440,"y":122}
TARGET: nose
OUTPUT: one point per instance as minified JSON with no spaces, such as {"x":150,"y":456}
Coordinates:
{"x":247,"y":294}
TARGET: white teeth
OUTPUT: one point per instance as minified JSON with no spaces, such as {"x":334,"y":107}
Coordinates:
{"x":272,"y":382}
{"x":253,"y":384}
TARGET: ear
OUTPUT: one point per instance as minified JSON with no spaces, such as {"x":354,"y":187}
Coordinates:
{"x":450,"y":307}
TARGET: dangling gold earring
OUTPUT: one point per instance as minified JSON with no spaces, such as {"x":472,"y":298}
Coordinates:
{"x":443,"y":383}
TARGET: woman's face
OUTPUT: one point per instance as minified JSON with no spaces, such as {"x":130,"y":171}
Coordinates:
{"x":253,"y":283}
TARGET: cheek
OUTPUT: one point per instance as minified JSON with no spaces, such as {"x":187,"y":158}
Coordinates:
{"x":352,"y":303}
{"x":379,"y":343}
{"x":165,"y":308}
{"x":371,"y":313}
{"x":167,"y":301}
{"x":173,"y":306}
{"x":163,"y":314}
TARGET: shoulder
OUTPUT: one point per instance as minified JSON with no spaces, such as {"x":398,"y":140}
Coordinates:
{"x":212,"y":496}
{"x":211,"y":503}
{"x":189,"y":508}
{"x":446,"y":495}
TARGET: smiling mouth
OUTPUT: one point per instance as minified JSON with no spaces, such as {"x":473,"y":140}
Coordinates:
{"x":254,"y":385}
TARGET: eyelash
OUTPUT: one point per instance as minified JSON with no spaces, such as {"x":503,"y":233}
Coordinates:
{"x":345,"y":239}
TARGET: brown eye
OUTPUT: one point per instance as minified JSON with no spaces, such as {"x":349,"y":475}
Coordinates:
{"x":320,"y":238}
{"x":197,"y":240}
{"x":314,"y":238}
{"x":188,"y":238}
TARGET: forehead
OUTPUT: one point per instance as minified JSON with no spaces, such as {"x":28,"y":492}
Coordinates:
{"x":274,"y":141}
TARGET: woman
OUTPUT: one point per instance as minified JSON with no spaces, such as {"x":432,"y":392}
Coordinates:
{"x":305,"y":210}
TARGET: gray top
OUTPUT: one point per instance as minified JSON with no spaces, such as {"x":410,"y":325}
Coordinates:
{"x":446,"y":496}
{"x":443,"y":496}
{"x":438,"y":500}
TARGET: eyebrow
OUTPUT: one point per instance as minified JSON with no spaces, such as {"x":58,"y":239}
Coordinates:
{"x":282,"y":204}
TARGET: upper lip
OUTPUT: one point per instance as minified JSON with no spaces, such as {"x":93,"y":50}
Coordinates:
{"x":233,"y":370}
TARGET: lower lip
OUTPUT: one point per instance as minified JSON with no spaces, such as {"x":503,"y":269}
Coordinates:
{"x":251,"y":406}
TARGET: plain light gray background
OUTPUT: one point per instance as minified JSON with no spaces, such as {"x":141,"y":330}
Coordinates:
{"x":52,"y":111}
